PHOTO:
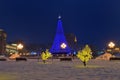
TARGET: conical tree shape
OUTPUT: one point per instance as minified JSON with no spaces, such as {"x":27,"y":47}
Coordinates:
{"x":60,"y":44}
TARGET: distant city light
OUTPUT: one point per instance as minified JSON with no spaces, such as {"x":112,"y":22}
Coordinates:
{"x":33,"y":53}
{"x":75,"y":40}
{"x":74,"y":53}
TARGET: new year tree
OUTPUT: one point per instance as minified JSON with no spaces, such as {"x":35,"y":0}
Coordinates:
{"x":60,"y":45}
{"x":85,"y":54}
{"x":45,"y":55}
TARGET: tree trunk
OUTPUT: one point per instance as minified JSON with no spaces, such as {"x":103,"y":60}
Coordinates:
{"x":84,"y":63}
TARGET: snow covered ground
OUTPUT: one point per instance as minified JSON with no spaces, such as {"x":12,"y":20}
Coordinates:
{"x":56,"y":70}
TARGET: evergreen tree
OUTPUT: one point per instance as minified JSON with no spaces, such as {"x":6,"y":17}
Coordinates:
{"x":85,"y":54}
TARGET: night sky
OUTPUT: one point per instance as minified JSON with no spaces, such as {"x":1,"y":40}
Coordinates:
{"x":93,"y":22}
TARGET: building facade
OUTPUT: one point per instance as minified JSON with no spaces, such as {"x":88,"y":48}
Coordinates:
{"x":11,"y":49}
{"x":3,"y":37}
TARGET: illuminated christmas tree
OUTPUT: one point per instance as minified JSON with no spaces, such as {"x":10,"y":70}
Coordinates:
{"x":85,"y":54}
{"x":60,"y":45}
{"x":45,"y":55}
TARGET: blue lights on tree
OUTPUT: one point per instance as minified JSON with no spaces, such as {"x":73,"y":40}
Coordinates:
{"x":60,"y":44}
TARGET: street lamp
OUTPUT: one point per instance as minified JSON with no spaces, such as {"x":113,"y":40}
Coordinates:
{"x":20,"y":46}
{"x":111,"y":45}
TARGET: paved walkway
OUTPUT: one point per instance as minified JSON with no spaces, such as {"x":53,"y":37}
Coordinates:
{"x":56,"y":70}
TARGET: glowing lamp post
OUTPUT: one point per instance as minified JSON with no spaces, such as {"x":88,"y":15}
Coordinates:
{"x":20,"y":47}
{"x":111,"y":45}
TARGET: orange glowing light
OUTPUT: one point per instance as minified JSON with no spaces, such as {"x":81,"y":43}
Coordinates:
{"x":111,"y":45}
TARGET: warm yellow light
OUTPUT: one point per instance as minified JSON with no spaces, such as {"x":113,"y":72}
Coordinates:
{"x":63,"y":45}
{"x":75,"y":40}
{"x":111,"y":45}
{"x":109,"y":50}
{"x":117,"y":49}
{"x":20,"y":46}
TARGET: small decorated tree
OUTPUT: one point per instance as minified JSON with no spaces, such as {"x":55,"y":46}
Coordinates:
{"x":45,"y":55}
{"x":85,"y":55}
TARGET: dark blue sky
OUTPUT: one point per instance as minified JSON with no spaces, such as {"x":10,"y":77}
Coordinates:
{"x":35,"y":21}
